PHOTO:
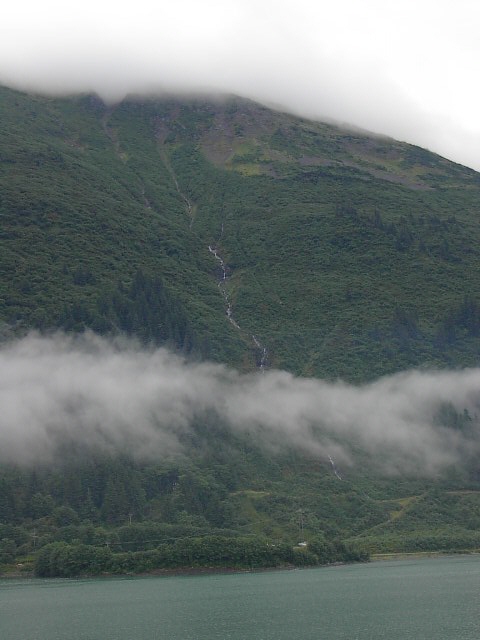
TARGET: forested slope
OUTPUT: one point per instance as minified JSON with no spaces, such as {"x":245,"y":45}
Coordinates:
{"x":346,"y":255}
{"x":230,"y":232}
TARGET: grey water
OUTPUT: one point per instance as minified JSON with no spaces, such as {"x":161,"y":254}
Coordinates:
{"x":435,"y":599}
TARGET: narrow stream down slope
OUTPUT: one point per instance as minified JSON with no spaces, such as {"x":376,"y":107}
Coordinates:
{"x":260,"y":348}
{"x":334,"y":467}
{"x":222,"y":285}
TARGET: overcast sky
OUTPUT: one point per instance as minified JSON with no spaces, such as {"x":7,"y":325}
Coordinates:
{"x":408,"y":69}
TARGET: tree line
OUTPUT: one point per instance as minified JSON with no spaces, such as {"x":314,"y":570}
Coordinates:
{"x":61,"y":559}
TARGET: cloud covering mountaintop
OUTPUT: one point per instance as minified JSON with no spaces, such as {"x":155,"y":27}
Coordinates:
{"x":403,"y":69}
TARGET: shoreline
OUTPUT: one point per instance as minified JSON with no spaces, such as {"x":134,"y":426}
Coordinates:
{"x":412,"y":555}
{"x":199,"y":571}
{"x":177,"y":572}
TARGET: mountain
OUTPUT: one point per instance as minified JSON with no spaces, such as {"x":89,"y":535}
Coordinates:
{"x":346,"y":255}
{"x":234,"y":233}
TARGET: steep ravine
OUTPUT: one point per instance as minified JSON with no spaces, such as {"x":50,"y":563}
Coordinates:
{"x":222,"y":285}
{"x":259,"y":347}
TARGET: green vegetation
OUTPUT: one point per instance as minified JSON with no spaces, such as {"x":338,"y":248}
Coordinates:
{"x":112,"y":515}
{"x":63,"y":560}
{"x":348,"y":256}
{"x":116,"y":515}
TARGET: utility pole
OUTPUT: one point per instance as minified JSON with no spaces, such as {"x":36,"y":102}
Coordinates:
{"x":301,"y":521}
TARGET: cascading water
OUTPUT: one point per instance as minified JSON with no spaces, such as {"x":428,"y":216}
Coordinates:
{"x":263,"y":352}
{"x":334,"y":467}
{"x":222,"y":285}
{"x":223,"y":288}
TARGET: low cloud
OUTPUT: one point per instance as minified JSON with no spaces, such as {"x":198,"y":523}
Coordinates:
{"x":401,"y":69}
{"x":112,"y":396}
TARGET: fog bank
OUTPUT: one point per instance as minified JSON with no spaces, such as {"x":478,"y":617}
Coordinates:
{"x":116,"y":396}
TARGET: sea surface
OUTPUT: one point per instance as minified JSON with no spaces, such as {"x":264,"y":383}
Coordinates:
{"x":434,"y":599}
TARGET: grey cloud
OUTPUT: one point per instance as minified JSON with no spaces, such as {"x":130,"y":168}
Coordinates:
{"x":384,"y":69}
{"x":117,"y":396}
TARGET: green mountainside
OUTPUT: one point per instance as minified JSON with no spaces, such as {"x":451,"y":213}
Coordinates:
{"x":338,"y":255}
{"x":346,"y":255}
